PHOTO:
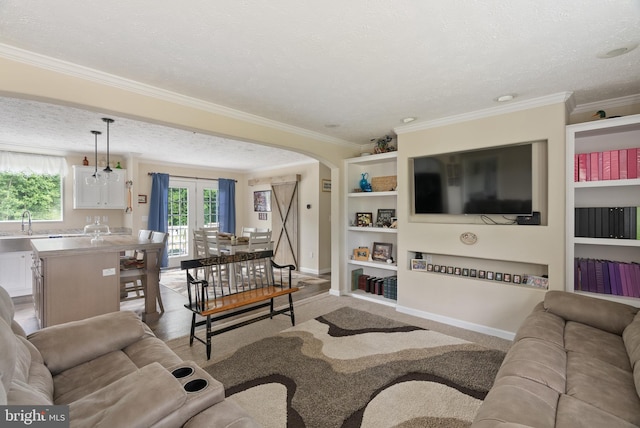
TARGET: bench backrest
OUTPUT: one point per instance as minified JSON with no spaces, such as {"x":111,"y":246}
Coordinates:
{"x":234,"y":273}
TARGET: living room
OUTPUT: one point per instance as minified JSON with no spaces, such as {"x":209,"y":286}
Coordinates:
{"x":481,"y":306}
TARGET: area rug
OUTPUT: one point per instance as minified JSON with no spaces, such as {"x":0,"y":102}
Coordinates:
{"x":351,"y":368}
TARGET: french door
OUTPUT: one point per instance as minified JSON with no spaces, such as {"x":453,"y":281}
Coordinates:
{"x":192,"y":205}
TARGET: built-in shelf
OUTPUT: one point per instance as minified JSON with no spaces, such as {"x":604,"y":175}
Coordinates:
{"x":359,"y":294}
{"x":377,"y":265}
{"x":607,"y":183}
{"x":372,"y":229}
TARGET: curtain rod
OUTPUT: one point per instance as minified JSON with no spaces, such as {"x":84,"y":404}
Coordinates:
{"x":185,"y":176}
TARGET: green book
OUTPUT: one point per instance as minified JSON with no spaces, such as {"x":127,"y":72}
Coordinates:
{"x":355,"y":274}
{"x":637,"y":222}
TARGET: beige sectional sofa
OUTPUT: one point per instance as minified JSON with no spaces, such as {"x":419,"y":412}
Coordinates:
{"x":111,"y":371}
{"x":574,"y":363}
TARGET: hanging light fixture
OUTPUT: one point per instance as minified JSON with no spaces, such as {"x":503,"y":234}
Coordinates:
{"x":96,"y":179}
{"x":108,"y":172}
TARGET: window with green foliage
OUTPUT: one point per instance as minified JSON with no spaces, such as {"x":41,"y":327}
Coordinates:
{"x":41,"y":194}
{"x":210,"y":204}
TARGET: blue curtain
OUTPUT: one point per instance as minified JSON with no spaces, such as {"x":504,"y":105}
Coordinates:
{"x":159,"y":208}
{"x":227,"y":205}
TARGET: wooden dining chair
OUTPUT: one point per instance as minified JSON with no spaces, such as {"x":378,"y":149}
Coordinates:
{"x":258,"y":241}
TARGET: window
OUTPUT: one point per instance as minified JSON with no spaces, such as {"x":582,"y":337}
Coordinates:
{"x":210,"y":205}
{"x":33,"y":183}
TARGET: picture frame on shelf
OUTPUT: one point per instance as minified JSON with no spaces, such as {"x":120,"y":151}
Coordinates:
{"x":473,"y":273}
{"x":450,"y":270}
{"x":482,"y":274}
{"x":498,"y":276}
{"x":507,"y":277}
{"x":429,"y":267}
{"x":361,"y":254}
{"x":364,"y":219}
{"x":490,"y":276}
{"x":465,"y":272}
{"x":517,"y":279}
{"x":436,"y":268}
{"x":418,"y":264}
{"x":381,"y":251}
{"x":457,"y":271}
{"x":385,"y":216}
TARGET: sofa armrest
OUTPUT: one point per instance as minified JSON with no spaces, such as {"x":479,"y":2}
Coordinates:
{"x":602,"y":314}
{"x":67,"y":345}
{"x":139,"y":399}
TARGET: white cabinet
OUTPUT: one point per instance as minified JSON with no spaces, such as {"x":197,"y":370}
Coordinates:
{"x":15,"y":272}
{"x":375,"y":166}
{"x":108,"y":196}
{"x":591,"y":258}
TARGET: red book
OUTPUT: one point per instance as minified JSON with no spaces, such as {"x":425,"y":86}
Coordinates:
{"x":575,"y":167}
{"x":638,"y":158}
{"x":582,"y":167}
{"x":606,"y":165}
{"x":615,"y":165}
{"x":632,"y":163}
{"x":623,"y":164}
{"x":593,"y":172}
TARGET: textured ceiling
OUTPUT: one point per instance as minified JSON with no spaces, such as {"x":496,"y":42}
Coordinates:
{"x":349,"y":70}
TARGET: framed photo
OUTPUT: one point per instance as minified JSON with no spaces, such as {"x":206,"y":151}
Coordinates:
{"x":262,"y":216}
{"x":262,"y":201}
{"x":465,"y":272}
{"x":429,"y":267}
{"x":450,"y":270}
{"x":418,"y":264}
{"x":364,"y":219}
{"x":498,"y":276}
{"x":326,"y":185}
{"x":457,"y":271}
{"x":361,"y":253}
{"x":436,"y":268}
{"x":482,"y":274}
{"x":142,"y":199}
{"x":507,"y":277}
{"x":381,"y":251}
{"x":490,"y":275}
{"x":517,"y":279}
{"x":385,"y":216}
{"x":473,"y":273}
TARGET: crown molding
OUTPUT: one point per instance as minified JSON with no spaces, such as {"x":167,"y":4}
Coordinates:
{"x":561,"y":97}
{"x":611,"y":103}
{"x":86,"y":73}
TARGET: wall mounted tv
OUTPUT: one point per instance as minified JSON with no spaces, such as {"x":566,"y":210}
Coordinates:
{"x":496,"y":180}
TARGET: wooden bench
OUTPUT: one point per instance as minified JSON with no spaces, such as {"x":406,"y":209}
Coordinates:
{"x":234,"y":285}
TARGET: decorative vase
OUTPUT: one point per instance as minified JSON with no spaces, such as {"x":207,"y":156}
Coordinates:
{"x":364,"y":184}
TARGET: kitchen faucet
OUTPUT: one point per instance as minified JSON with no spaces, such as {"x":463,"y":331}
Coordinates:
{"x":28,"y":213}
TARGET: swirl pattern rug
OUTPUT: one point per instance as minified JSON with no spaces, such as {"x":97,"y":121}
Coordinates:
{"x":351,"y":368}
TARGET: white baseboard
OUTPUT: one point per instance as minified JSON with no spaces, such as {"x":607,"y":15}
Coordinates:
{"x":315,"y":271}
{"x":503,"y":334}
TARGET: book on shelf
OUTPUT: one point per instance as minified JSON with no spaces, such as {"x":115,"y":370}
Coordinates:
{"x":607,"y":277}
{"x":607,"y":222}
{"x":355,"y":275}
{"x":622,"y":164}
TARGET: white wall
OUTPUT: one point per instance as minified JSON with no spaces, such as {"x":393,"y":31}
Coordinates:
{"x":496,"y":307}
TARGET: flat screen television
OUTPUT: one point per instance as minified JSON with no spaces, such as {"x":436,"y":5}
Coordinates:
{"x":496,"y":180}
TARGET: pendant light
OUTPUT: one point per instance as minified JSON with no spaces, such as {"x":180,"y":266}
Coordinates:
{"x":96,"y":179}
{"x":108,"y":172}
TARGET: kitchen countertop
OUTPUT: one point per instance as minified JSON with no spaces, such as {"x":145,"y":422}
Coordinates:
{"x":82,"y":245}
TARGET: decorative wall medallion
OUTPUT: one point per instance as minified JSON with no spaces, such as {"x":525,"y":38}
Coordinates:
{"x":468,"y":238}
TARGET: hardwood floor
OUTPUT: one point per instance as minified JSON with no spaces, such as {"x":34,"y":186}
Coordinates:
{"x":173,"y":323}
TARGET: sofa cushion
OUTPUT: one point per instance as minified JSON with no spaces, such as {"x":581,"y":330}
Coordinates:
{"x":514,"y":401}
{"x":30,"y":369}
{"x":602,"y":385}
{"x":536,"y":360}
{"x":86,"y":378}
{"x":544,"y":326}
{"x":149,"y":350}
{"x":68,"y":345}
{"x":573,"y":413}
{"x":602,"y":314}
{"x":7,"y":355}
{"x":6,"y":307}
{"x":606,"y":347}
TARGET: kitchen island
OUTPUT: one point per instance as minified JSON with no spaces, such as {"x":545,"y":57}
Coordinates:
{"x":74,"y":278}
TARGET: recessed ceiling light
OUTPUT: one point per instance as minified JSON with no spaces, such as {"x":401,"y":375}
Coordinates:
{"x":617,"y":51}
{"x":505,"y":98}
{"x":408,"y":119}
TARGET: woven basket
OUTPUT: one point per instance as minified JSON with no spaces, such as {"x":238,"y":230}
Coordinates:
{"x":384,"y":184}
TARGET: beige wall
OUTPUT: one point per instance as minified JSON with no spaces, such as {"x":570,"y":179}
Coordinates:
{"x":500,"y":308}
